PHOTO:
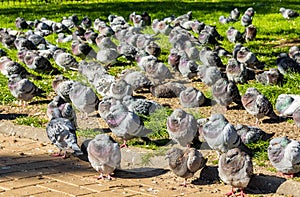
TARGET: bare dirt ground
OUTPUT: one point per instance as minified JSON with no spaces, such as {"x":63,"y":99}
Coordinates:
{"x":155,"y":181}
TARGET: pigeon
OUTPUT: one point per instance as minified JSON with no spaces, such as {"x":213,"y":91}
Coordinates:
{"x":62,"y":87}
{"x":9,"y":68}
{"x":83,"y":98}
{"x":62,"y":133}
{"x":236,"y":72}
{"x":23,"y":89}
{"x":234,"y":35}
{"x":185,"y":163}
{"x":137,"y":79}
{"x":206,"y":38}
{"x":257,"y":104}
{"x":235,"y":169}
{"x":288,"y":13}
{"x":250,"y":12}
{"x":286,"y":65}
{"x":158,"y":72}
{"x":82,"y":50}
{"x":286,"y":104}
{"x":296,"y":117}
{"x":209,"y":75}
{"x":294,"y":53}
{"x":210,"y":58}
{"x":244,"y":55}
{"x":65,"y":60}
{"x":246,"y":20}
{"x":104,"y":154}
{"x":105,"y":104}
{"x":182,"y":127}
{"x":284,"y":155}
{"x":234,"y":15}
{"x":21,"y":23}
{"x":222,"y":52}
{"x":250,"y":134}
{"x":38,"y":63}
{"x":107,"y":56}
{"x":173,"y":59}
{"x":86,"y":22}
{"x":197,"y":26}
{"x":23,"y":43}
{"x":187,"y":68}
{"x":167,"y":90}
{"x":270,"y":77}
{"x":250,"y":33}
{"x":152,"y":48}
{"x":220,"y":135}
{"x":191,"y":97}
{"x":225,"y":92}
{"x":223,"y":20}
{"x":127,"y":50}
{"x":119,"y":89}
{"x":125,"y":124}
{"x":236,"y":49}
{"x":140,"y":106}
{"x":104,"y":42}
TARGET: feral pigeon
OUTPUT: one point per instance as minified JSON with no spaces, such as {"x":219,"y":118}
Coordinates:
{"x":82,"y":50}
{"x":125,"y":124}
{"x":234,"y":35}
{"x":182,"y":127}
{"x":269,"y":77}
{"x":62,"y":87}
{"x":210,"y":58}
{"x":104,"y":154}
{"x":234,"y":15}
{"x":173,"y":59}
{"x":296,"y":117}
{"x":65,"y":60}
{"x":84,"y":98}
{"x":62,"y":133}
{"x":23,"y":89}
{"x":249,"y":33}
{"x":185,"y":163}
{"x":167,"y":90}
{"x":9,"y":68}
{"x":285,"y":64}
{"x":206,"y":38}
{"x":246,"y":20}
{"x":250,"y":134}
{"x":286,"y":104}
{"x":288,"y":13}
{"x":191,"y":97}
{"x":257,"y":104}
{"x":38,"y":63}
{"x":104,"y":106}
{"x":137,"y":79}
{"x":188,"y":68}
{"x":158,"y":72}
{"x":284,"y":155}
{"x":209,"y":75}
{"x":235,"y":169}
{"x":244,"y":55}
{"x":139,"y":105}
{"x":220,"y":135}
{"x":119,"y":89}
{"x":236,"y":72}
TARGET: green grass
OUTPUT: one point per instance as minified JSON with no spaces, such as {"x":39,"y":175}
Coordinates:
{"x":259,"y":149}
{"x":33,"y":121}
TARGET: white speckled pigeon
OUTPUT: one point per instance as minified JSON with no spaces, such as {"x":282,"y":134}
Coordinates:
{"x":104,"y":154}
{"x":185,"y":163}
{"x":288,"y":13}
{"x":235,"y":169}
{"x":250,"y":134}
{"x":139,"y":105}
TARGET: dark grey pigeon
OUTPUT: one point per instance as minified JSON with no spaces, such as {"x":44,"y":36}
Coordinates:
{"x":285,"y":64}
{"x":294,"y":53}
{"x":206,"y":38}
{"x":140,"y":106}
{"x":182,"y":127}
{"x":258,"y":105}
{"x":210,"y":58}
{"x":125,"y":124}
{"x":236,"y":72}
{"x":185,"y":163}
{"x":287,"y":104}
{"x":62,"y":133}
{"x":38,"y":63}
{"x":104,"y":155}
{"x":250,"y":33}
{"x":226,"y":92}
{"x":270,"y":77}
{"x":84,"y":98}
{"x":127,"y":50}
{"x":235,"y":169}
{"x":251,"y":134}
{"x":86,"y":22}
{"x":191,"y":97}
{"x":244,"y":55}
{"x":9,"y":68}
{"x":288,"y":13}
{"x":221,"y":135}
{"x":23,"y":89}
{"x":234,"y":35}
{"x":284,"y":155}
{"x":167,"y":90}
{"x":209,"y":75}
{"x":22,"y":42}
{"x":21,"y":23}
{"x":82,"y":50}
{"x":236,"y":49}
{"x":62,"y":87}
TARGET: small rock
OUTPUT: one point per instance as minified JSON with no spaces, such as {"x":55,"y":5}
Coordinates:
{"x":289,"y":188}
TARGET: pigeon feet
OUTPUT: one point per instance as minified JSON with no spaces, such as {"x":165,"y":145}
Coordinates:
{"x":124,"y":145}
{"x":101,"y":176}
{"x":286,"y":175}
{"x":64,"y":156}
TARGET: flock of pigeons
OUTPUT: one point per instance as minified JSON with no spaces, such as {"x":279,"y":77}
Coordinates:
{"x":100,"y":44}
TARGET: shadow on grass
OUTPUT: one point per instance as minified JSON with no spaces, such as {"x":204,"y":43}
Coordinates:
{"x":11,"y":116}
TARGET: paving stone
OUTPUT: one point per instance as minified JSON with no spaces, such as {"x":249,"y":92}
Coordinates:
{"x":50,"y":194}
{"x":18,"y":183}
{"x":23,"y":191}
{"x":70,"y":179}
{"x":289,"y":188}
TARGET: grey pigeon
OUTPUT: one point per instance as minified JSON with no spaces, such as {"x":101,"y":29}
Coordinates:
{"x":104,"y":154}
{"x":236,"y":49}
{"x":65,"y":60}
{"x":249,"y":33}
{"x":191,"y":97}
{"x":152,"y":48}
{"x":167,"y":90}
{"x":173,"y":59}
{"x":62,"y":133}
{"x":62,"y":87}
{"x":235,"y":169}
{"x":119,"y":89}
{"x":82,"y":50}
{"x":9,"y":68}
{"x":222,"y":52}
{"x":286,"y":104}
{"x":84,"y":98}
{"x":185,"y":163}
{"x":182,"y":127}
{"x":144,"y":60}
{"x":284,"y":155}
{"x":221,"y":135}
{"x":209,"y":75}
{"x":158,"y":72}
{"x":288,"y":13}
{"x":213,"y":31}
{"x":286,"y":65}
{"x":250,"y":134}
{"x":137,"y":79}
{"x":234,"y":15}
{"x":21,"y":23}
{"x":105,"y":104}
{"x":250,"y":11}
{"x":127,"y":50}
{"x":257,"y":104}
{"x":236,"y":72}
{"x":104,"y":42}
{"x":296,"y":117}
{"x":210,"y":58}
{"x":86,"y":22}
{"x":107,"y":56}
{"x":225,"y":92}
{"x":246,"y":20}
{"x":244,"y":55}
{"x":125,"y":124}
{"x":139,"y":105}
{"x":206,"y":38}
{"x":38,"y":63}
{"x":234,"y":35}
{"x":223,"y":20}
{"x":161,"y":27}
{"x":188,"y":68}
{"x":270,"y":77}
{"x":23,"y":89}
{"x":294,"y":53}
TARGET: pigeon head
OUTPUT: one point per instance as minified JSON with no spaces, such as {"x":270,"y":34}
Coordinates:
{"x":116,"y":115}
{"x":173,"y":154}
{"x":175,"y":120}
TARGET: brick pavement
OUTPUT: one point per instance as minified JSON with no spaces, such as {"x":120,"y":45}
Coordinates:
{"x":26,"y":169}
